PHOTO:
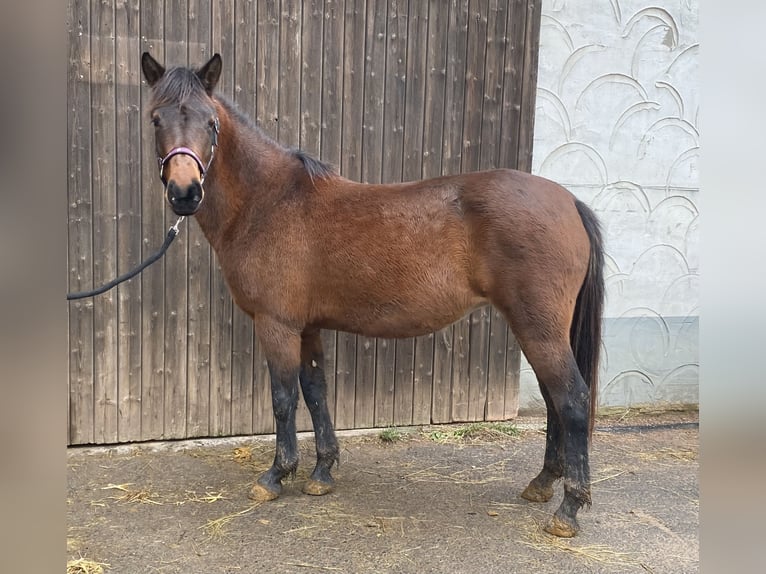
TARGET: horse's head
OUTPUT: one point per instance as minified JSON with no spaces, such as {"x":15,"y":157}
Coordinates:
{"x":186,"y":127}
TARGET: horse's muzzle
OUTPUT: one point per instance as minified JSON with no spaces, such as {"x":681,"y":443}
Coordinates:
{"x":184,"y":201}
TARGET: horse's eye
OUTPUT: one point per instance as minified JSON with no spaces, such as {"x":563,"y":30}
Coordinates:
{"x":156,"y":121}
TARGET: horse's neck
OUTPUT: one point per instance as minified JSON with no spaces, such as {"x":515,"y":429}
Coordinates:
{"x":242,"y":178}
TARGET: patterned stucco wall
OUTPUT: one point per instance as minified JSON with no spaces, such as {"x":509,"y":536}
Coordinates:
{"x":617,"y":122}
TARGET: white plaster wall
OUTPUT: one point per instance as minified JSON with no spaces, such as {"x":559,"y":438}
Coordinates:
{"x":617,"y":122}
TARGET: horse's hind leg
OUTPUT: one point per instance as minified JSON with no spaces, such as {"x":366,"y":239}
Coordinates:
{"x":282,"y":349}
{"x":568,"y":408}
{"x":543,"y":335}
{"x":540,"y":489}
{"x":314,"y":390}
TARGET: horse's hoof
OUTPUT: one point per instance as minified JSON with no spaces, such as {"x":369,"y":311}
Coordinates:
{"x":535,"y":493}
{"x":562,"y":529}
{"x":317,"y":488}
{"x":260,"y":493}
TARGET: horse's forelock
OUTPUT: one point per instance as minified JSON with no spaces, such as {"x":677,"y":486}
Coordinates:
{"x":179,"y":86}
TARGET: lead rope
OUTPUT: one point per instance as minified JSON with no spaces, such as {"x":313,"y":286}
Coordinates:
{"x":172,"y":232}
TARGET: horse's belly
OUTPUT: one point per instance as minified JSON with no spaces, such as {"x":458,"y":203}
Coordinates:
{"x":397,"y":318}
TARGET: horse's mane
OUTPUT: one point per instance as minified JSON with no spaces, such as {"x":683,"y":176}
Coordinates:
{"x":315,"y":168}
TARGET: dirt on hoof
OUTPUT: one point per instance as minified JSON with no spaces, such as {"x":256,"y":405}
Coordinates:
{"x":316,"y":488}
{"x":559,"y":528}
{"x":537,"y":494}
{"x":260,"y":493}
{"x":435,"y":500}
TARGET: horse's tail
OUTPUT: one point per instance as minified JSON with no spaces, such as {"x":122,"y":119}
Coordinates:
{"x":585,"y":333}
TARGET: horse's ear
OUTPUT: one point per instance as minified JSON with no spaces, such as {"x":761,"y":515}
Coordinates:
{"x":210,"y":73}
{"x":152,"y":69}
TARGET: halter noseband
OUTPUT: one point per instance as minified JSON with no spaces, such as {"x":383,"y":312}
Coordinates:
{"x":182,"y":150}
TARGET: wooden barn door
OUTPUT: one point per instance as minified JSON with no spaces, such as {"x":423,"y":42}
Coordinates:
{"x":385,"y":90}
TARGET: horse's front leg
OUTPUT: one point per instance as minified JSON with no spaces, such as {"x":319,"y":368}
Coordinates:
{"x":314,"y":389}
{"x":281,"y":345}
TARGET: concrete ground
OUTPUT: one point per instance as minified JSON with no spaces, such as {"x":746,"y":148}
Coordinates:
{"x":431,"y":501}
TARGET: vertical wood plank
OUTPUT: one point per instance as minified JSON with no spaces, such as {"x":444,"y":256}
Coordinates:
{"x":404,"y":381}
{"x":478,"y":355}
{"x":104,"y":221}
{"x":420,"y":64}
{"x":385,"y":365}
{"x":392,"y":376}
{"x":311,"y":72}
{"x":330,"y":148}
{"x":529,"y":53}
{"x":529,"y":84}
{"x":80,"y":413}
{"x":242,"y":373}
{"x":460,"y":370}
{"x":455,"y":347}
{"x":267,"y":67}
{"x":454,"y":96}
{"x":128,"y":153}
{"x":512,"y":373}
{"x":491,"y":134}
{"x":290,"y":73}
{"x":152,"y":229}
{"x":366,"y":408}
{"x":413,"y":388}
{"x":472,"y":144}
{"x":438,"y":402}
{"x":435,"y":89}
{"x":496,"y":367}
{"x":267,"y":116}
{"x":512,"y":84}
{"x":221,"y":304}
{"x":290,"y":80}
{"x":349,"y":84}
{"x":176,"y":268}
{"x":200,"y":264}
{"x":492,"y":102}
{"x":242,"y":61}
{"x":519,"y":88}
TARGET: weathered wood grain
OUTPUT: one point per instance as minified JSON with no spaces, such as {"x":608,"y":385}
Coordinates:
{"x":386,"y":91}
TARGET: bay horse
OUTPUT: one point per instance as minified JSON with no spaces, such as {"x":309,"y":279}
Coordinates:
{"x":303,"y":249}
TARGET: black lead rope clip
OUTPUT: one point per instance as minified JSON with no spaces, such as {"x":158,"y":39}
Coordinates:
{"x":172,"y":232}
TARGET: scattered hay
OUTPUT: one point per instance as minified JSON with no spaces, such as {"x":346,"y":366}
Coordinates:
{"x":469,"y":476}
{"x":130,"y":495}
{"x":207,"y":498}
{"x":645,"y":410}
{"x":610,"y":473}
{"x":474,"y":432}
{"x":670,"y":454}
{"x":333,"y":516}
{"x":311,"y":566}
{"x":533,"y":536}
{"x":215,"y":528}
{"x":541,"y":541}
{"x":82,"y":565}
